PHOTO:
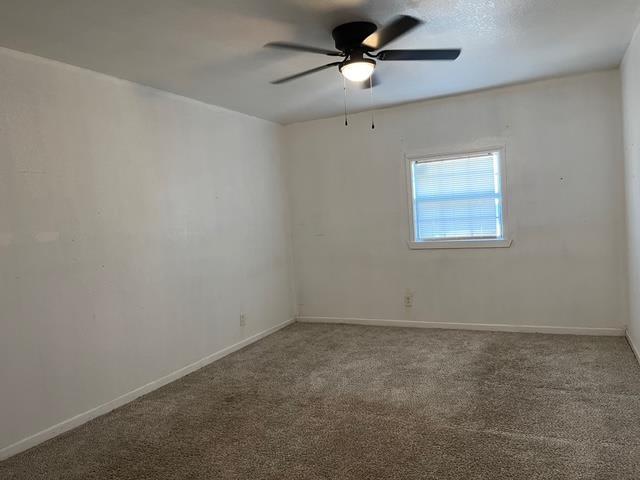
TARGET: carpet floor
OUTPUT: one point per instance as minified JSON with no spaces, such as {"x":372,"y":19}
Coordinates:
{"x":351,"y":402}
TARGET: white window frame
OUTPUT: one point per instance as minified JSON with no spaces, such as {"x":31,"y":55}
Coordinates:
{"x":504,"y":242}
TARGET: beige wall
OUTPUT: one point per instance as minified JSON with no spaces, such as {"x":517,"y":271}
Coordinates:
{"x":566,"y":267}
{"x":135,"y":226}
{"x":631,"y":100}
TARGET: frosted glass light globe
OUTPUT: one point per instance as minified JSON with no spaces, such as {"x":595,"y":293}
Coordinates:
{"x":358,"y":71}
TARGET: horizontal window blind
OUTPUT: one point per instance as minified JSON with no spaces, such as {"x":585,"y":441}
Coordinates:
{"x":458,"y":198}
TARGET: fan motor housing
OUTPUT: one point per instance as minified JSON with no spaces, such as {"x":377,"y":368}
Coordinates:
{"x":349,"y":36}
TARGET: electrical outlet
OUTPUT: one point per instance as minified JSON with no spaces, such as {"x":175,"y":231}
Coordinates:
{"x":408,"y":299}
{"x":243,"y":319}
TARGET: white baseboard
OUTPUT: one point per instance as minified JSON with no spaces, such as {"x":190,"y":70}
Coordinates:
{"x":84,"y":417}
{"x":633,"y":346}
{"x":618,"y":332}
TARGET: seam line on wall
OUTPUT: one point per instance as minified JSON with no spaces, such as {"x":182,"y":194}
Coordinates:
{"x":635,"y":351}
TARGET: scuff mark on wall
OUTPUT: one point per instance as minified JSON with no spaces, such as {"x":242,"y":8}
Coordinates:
{"x":6,"y":239}
{"x":46,"y":237}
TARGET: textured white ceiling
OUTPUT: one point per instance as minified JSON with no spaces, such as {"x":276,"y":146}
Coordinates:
{"x":211,"y":49}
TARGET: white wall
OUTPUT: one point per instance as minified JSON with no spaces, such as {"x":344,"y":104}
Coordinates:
{"x":135,"y":225}
{"x":631,"y":100}
{"x":566,"y":267}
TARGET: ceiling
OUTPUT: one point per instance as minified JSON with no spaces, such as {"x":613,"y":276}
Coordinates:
{"x":211,"y":50}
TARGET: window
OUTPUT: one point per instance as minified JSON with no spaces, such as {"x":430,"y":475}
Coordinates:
{"x":457,"y":201}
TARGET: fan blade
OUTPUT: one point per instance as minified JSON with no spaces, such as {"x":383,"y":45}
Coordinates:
{"x":387,"y":34}
{"x":450,"y":54}
{"x":302,"y":48}
{"x":307,"y":72}
{"x":365,"y":85}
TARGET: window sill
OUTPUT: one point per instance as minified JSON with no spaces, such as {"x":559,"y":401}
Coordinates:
{"x":441,"y":244}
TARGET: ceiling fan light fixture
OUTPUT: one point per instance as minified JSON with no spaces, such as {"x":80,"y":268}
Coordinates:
{"x":357,"y":70}
{"x":355,"y":40}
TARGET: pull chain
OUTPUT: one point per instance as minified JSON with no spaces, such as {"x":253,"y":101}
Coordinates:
{"x":373,"y":124}
{"x":344,"y":88}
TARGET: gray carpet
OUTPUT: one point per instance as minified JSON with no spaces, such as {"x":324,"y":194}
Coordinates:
{"x":349,"y":402}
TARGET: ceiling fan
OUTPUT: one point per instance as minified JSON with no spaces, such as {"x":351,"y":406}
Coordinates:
{"x":359,"y":44}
